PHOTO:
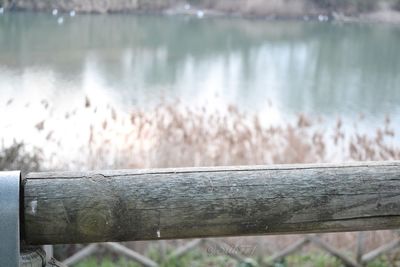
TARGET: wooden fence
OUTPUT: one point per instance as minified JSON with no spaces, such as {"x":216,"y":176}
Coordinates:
{"x":105,"y":206}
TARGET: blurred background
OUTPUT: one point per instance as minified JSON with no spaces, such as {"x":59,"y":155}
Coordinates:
{"x":166,"y":83}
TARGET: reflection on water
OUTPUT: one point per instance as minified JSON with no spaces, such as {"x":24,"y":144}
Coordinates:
{"x":318,"y":68}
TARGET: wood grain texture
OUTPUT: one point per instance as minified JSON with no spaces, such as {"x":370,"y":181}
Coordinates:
{"x":82,"y":207}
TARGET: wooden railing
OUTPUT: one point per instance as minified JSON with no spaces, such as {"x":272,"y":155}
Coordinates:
{"x":103,"y":206}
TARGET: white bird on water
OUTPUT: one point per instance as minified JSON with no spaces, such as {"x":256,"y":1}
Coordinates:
{"x":72,"y":13}
{"x":60,"y":20}
{"x":1,"y":10}
{"x":323,"y":18}
{"x":200,"y":14}
{"x":55,"y":12}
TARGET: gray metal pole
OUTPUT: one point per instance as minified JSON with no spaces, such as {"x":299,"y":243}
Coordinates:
{"x":9,"y":218}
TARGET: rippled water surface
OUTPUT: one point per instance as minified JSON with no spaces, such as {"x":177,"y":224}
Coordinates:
{"x":327,"y":69}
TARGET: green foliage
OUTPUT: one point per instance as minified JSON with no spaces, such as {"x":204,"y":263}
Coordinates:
{"x":107,"y":262}
{"x":380,"y":262}
{"x":197,"y":258}
{"x":316,"y":259}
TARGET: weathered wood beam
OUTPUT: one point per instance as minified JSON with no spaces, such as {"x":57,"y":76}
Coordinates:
{"x":83,"y":207}
{"x":370,"y":256}
{"x":349,"y":262}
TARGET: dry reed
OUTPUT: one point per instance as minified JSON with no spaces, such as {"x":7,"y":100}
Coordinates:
{"x":175,"y":135}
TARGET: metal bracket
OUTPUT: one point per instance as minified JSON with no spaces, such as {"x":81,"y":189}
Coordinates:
{"x":9,"y":218}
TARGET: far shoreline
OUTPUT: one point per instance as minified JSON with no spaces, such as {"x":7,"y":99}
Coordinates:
{"x":390,"y":17}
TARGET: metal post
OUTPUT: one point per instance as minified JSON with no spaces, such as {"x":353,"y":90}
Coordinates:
{"x":9,"y":218}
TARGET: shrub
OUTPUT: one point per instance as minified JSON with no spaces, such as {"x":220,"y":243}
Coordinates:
{"x":15,"y":157}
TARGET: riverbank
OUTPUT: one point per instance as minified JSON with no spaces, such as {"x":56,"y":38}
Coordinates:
{"x":347,"y":10}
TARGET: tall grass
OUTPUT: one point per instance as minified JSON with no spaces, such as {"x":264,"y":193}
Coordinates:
{"x":175,"y":135}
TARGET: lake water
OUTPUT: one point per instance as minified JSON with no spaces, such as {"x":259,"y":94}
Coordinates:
{"x":321,"y":69}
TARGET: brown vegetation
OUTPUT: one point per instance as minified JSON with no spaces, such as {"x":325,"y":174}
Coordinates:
{"x":175,"y":135}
